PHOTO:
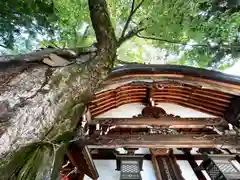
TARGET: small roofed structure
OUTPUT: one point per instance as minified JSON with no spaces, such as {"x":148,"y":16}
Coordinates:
{"x":206,"y":91}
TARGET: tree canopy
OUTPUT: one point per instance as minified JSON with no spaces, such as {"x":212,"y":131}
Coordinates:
{"x":201,"y":33}
{"x":89,"y":38}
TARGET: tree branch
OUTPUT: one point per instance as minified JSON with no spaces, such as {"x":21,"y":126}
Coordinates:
{"x":85,"y":32}
{"x":3,"y":46}
{"x":102,"y":24}
{"x":39,"y":55}
{"x":125,"y":62}
{"x":132,"y":12}
{"x":128,"y":20}
{"x":129,"y":35}
{"x":184,"y":44}
{"x":170,"y":41}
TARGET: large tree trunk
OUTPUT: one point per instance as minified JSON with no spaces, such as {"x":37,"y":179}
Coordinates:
{"x":40,"y":106}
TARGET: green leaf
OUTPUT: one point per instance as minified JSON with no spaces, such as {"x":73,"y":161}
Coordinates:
{"x":58,"y":160}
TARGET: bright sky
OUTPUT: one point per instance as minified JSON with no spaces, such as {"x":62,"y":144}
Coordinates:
{"x":234,"y":70}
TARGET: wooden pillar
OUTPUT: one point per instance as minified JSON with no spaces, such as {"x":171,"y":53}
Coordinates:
{"x":165,"y":164}
{"x":238,"y":158}
{"x":149,"y":96}
{"x":193,"y":164}
{"x":80,"y":157}
{"x":155,"y":153}
{"x":232,"y":114}
{"x":131,"y":151}
{"x":81,"y":176}
{"x":176,"y":168}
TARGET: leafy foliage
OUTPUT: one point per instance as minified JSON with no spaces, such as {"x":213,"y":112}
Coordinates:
{"x":73,"y":24}
{"x":132,"y":51}
{"x":26,"y":23}
{"x":36,"y":161}
{"x":180,"y":24}
{"x":204,"y":33}
{"x":214,"y":25}
{"x":19,"y":17}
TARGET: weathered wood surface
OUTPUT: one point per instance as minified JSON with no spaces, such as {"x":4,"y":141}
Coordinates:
{"x":201,"y":99}
{"x":165,"y":121}
{"x":108,"y":155}
{"x":163,"y":141}
{"x":165,"y":164}
{"x":232,"y":115}
{"x":179,"y":74}
{"x":81,"y":158}
{"x":193,"y":164}
{"x":39,"y":103}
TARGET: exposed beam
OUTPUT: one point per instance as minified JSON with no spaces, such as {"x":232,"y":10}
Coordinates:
{"x":232,"y":114}
{"x":196,"y":157}
{"x":165,"y":121}
{"x":211,"y":80}
{"x":81,"y":158}
{"x":237,"y":159}
{"x":193,"y":164}
{"x":163,"y":141}
{"x":111,"y":156}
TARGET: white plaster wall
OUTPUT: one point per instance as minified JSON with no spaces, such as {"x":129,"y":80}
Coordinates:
{"x":130,"y":110}
{"x":186,"y":169}
{"x":204,"y":172}
{"x":148,"y":171}
{"x":106,"y":168}
{"x":139,"y":151}
{"x":124,"y":111}
{"x":182,"y":111}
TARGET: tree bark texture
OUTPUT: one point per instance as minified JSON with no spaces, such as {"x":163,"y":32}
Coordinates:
{"x":40,"y":106}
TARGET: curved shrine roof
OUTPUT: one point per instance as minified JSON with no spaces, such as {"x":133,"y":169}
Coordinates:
{"x":207,"y":91}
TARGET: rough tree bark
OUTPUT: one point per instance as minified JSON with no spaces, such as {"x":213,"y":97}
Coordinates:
{"x":40,"y":106}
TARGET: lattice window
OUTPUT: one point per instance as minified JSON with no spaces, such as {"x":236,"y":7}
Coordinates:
{"x":226,"y":167}
{"x":220,"y":167}
{"x":130,"y":170}
{"x":213,"y":171}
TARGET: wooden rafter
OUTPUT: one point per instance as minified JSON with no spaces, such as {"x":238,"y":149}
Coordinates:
{"x":108,"y":155}
{"x":204,"y":100}
{"x":193,"y":164}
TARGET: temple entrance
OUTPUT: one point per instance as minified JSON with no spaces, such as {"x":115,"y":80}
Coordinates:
{"x":184,"y":129}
